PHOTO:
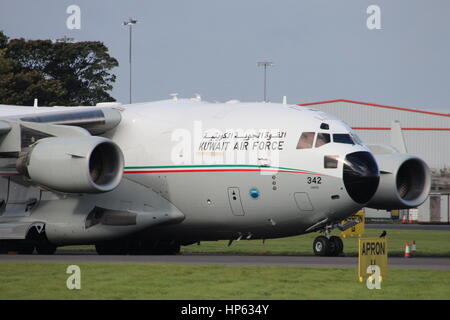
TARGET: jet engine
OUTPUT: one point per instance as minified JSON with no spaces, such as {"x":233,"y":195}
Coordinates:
{"x":405,"y":182}
{"x":89,"y":164}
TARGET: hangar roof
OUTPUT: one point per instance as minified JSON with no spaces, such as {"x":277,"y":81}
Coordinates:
{"x":426,"y":133}
{"x":376,"y":106}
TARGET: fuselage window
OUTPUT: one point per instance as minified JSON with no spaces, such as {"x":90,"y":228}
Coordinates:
{"x":306,"y":140}
{"x":322,"y":138}
{"x":342,"y":138}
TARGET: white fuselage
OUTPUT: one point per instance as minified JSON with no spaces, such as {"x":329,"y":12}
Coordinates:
{"x":232,"y":169}
{"x":195,"y":153}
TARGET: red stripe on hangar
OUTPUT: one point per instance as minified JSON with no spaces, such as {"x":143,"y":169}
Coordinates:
{"x":411,"y":129}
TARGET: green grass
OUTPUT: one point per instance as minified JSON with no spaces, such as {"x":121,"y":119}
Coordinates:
{"x":429,"y":243}
{"x":154,"y":281}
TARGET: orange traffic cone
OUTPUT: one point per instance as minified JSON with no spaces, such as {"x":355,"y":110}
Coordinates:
{"x":404,"y":218}
{"x":410,"y":220}
{"x":413,"y":250}
{"x":407,"y":252}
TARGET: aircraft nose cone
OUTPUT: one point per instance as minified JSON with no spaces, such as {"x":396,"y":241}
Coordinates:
{"x":361,"y":176}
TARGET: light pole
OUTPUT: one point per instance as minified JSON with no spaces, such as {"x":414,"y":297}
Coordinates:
{"x":130,"y":24}
{"x":65,"y":39}
{"x":265,"y":64}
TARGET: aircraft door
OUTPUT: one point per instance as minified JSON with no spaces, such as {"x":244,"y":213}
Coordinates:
{"x":234,"y":196}
{"x":303,"y":202}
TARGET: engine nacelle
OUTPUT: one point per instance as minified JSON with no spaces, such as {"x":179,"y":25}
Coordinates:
{"x":405,"y":182}
{"x":74,"y":165}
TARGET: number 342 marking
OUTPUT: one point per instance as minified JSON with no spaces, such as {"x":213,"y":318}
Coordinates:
{"x":314,"y":180}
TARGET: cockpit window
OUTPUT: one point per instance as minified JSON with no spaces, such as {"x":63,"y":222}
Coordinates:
{"x":356,"y":138}
{"x":342,"y":138}
{"x":322,"y":138}
{"x":306,"y":140}
{"x":330,"y":162}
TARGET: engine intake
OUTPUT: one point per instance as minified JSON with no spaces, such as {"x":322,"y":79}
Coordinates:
{"x":405,"y":182}
{"x":73,"y":165}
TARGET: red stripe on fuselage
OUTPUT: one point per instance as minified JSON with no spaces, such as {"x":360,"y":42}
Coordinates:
{"x":221,"y":170}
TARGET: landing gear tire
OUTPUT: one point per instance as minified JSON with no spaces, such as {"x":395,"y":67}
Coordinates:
{"x":3,"y":248}
{"x":155,"y":248}
{"x":112,"y":248}
{"x":45,"y":248}
{"x":137,"y":247}
{"x":171,"y":248}
{"x":321,"y":246}
{"x":25,"y":248}
{"x":328,"y":247}
{"x":337,"y":246}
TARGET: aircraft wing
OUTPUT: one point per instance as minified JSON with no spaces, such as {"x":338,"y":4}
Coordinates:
{"x":397,"y":144}
{"x":94,"y":120}
{"x":405,"y":179}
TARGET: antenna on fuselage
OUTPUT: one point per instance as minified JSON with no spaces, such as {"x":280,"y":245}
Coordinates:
{"x":174,"y":96}
{"x":35,"y":104}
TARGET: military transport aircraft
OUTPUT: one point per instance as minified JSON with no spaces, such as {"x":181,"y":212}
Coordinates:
{"x":147,"y":178}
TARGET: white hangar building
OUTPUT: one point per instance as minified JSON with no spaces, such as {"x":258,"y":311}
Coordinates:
{"x":426,"y":134}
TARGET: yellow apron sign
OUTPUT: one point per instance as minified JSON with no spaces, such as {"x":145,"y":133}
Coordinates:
{"x":372,"y":251}
{"x":356,"y":230}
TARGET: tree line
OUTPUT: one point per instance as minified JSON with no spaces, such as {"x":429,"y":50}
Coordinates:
{"x":56,"y":73}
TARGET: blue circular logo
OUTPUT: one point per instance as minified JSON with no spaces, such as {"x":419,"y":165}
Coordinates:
{"x":254,"y":193}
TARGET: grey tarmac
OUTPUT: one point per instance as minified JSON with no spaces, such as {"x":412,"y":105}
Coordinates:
{"x":231,"y":260}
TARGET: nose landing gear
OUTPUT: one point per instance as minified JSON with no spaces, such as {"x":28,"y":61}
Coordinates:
{"x":327,"y":245}
{"x":330,"y":247}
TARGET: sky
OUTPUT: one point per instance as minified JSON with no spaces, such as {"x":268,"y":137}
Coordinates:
{"x":321,"y":50}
